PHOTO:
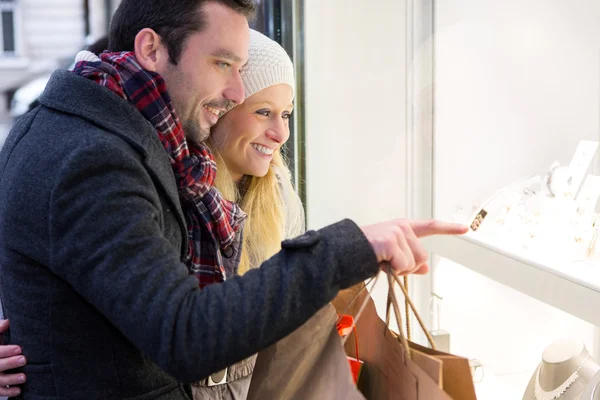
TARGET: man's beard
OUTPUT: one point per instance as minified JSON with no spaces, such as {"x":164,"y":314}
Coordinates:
{"x":194,"y":133}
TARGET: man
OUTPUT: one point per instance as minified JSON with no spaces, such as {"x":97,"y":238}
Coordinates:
{"x":105,"y":209}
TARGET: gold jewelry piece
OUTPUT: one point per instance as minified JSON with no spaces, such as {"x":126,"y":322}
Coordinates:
{"x":591,"y":250}
{"x":478,"y":219}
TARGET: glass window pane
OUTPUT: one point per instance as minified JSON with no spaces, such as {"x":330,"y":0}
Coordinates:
{"x":259,"y":23}
{"x":8,"y":31}
{"x":516,"y":89}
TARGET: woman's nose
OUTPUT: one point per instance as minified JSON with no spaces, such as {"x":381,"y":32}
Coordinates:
{"x":279,"y":133}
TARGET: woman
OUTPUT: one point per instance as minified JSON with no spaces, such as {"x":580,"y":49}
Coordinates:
{"x":247,"y":144}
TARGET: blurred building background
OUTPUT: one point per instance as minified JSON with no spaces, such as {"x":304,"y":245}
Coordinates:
{"x":37,"y":36}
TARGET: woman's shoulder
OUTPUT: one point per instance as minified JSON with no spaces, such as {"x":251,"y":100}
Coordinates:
{"x":294,"y":210}
{"x":284,"y":182}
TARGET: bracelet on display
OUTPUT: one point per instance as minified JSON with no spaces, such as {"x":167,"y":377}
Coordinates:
{"x":477,"y":220}
{"x":549,"y":180}
{"x":558,"y":180}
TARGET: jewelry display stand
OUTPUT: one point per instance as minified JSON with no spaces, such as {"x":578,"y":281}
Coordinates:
{"x":564,"y":373}
{"x":549,"y":218}
{"x":538,"y":236}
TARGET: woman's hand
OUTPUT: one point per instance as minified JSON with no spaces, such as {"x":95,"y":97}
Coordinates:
{"x":10,"y":358}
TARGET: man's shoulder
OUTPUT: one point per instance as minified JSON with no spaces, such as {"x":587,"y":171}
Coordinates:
{"x":49,"y":146}
{"x":48,"y":131}
{"x":72,"y":96}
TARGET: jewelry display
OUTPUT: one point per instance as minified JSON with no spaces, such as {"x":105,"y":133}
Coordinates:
{"x":549,"y":216}
{"x":541,"y":394}
{"x":565,"y":371}
{"x":441,"y":337}
{"x":476,"y":370}
{"x":558,"y":180}
{"x":592,"y":389}
{"x":590,"y":252}
{"x":478,"y":219}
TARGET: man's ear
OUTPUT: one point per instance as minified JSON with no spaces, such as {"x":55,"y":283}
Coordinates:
{"x":149,"y":50}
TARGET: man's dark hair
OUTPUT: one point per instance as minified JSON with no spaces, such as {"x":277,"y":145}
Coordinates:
{"x":173,"y":20}
{"x":98,"y":46}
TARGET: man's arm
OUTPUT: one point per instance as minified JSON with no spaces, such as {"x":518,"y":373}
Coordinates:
{"x":106,"y":241}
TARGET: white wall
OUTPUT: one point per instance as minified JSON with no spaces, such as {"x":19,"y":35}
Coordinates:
{"x":355,"y":110}
{"x":516,"y":87}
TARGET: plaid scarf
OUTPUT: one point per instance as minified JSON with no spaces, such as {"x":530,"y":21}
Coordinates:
{"x":211,"y":220}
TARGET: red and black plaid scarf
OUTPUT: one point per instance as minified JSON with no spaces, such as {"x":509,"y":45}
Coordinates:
{"x":211,"y":220}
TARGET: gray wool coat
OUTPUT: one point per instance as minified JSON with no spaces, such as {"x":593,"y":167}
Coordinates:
{"x":91,"y":241}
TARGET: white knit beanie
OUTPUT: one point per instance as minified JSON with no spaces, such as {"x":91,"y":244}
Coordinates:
{"x":268,"y":65}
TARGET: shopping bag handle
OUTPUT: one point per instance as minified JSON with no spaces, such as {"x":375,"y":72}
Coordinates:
{"x":362,"y":306}
{"x":393,"y":304}
{"x":407,"y":309}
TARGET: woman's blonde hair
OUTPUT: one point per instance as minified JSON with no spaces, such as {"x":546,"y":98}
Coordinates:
{"x":270,"y":220}
{"x":274,"y":210}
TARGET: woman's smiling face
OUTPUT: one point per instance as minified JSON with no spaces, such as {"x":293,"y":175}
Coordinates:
{"x":249,"y":134}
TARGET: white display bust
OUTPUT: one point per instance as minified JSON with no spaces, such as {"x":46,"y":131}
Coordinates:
{"x":564,"y":372}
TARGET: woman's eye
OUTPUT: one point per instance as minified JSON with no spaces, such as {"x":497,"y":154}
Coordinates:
{"x":286,"y":115}
{"x":264,"y":113}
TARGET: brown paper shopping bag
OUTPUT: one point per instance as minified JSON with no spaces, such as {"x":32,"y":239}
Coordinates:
{"x":452,"y":373}
{"x":310,"y":363}
{"x":389,"y":372}
{"x":456,"y":378}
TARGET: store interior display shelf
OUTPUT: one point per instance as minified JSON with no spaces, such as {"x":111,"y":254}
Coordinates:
{"x":573,"y":287}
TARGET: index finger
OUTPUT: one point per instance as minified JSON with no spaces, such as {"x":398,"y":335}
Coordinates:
{"x":429,"y":227}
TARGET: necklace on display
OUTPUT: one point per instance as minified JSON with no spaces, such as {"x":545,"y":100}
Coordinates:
{"x":541,"y":394}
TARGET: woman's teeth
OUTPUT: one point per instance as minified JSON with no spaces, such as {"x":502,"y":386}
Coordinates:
{"x":263,"y":149}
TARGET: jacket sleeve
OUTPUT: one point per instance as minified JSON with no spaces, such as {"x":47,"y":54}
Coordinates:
{"x":106,"y":242}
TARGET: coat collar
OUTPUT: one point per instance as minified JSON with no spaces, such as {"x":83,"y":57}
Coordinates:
{"x":73,"y":94}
